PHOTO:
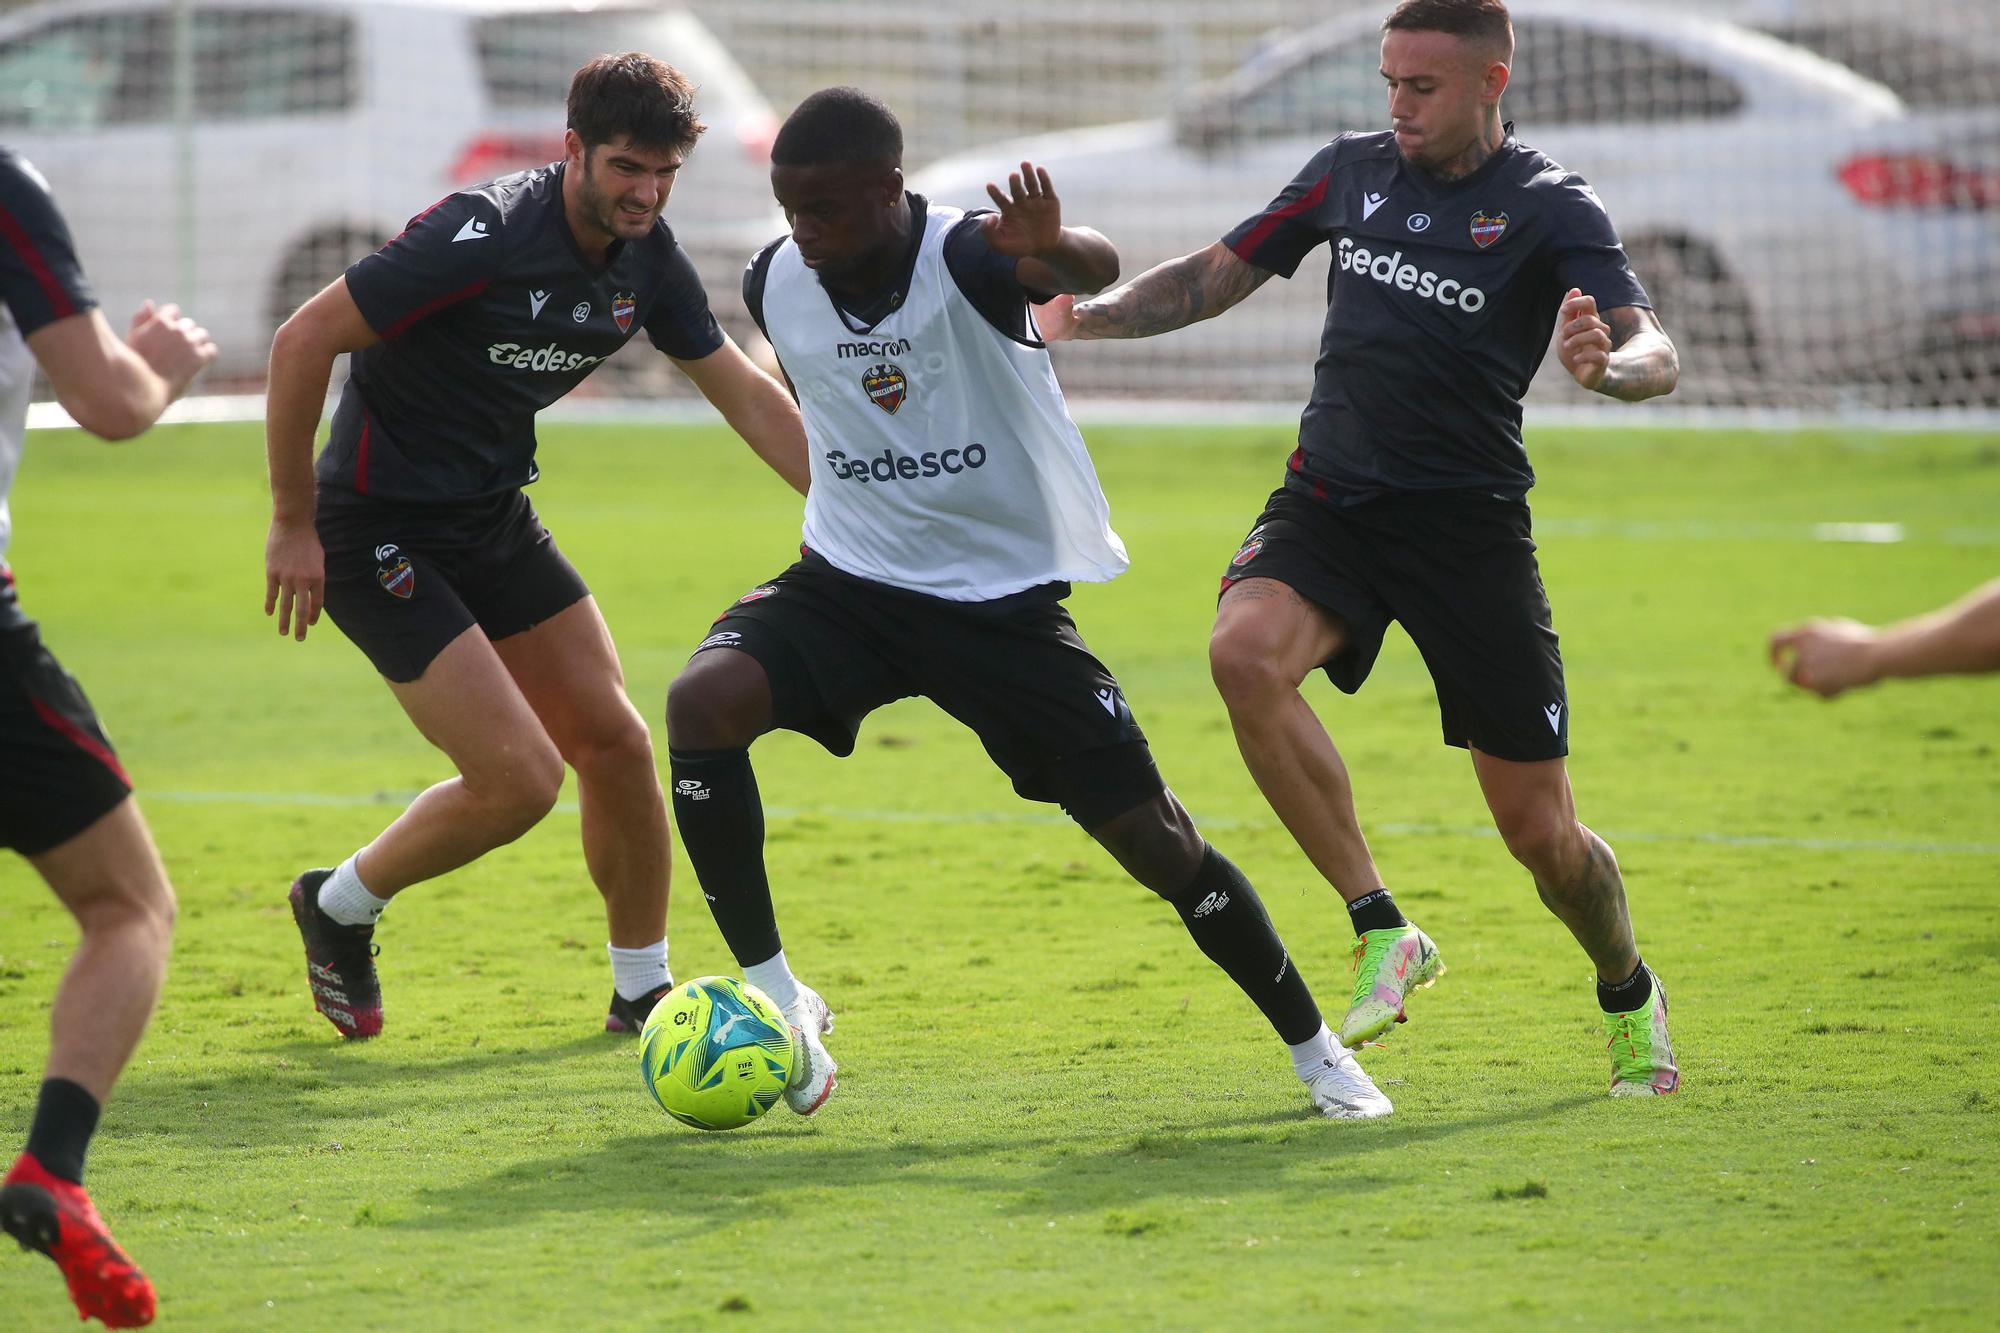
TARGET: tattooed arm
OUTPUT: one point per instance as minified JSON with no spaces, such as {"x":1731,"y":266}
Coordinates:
{"x":1624,"y":354}
{"x":1172,"y":296}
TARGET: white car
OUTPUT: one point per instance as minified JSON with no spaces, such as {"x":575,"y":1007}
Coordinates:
{"x":1796,"y":225}
{"x":314,"y":129}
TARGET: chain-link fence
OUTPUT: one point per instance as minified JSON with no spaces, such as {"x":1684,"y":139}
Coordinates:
{"x":1810,"y":191}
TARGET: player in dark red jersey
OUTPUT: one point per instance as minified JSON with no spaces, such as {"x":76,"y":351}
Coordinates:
{"x":65,"y":802}
{"x":1457,"y":252}
{"x":417,"y":539}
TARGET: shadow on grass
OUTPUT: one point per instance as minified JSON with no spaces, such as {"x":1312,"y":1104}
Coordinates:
{"x":284,"y":1093}
{"x":703,"y":1181}
{"x":303,"y":1095}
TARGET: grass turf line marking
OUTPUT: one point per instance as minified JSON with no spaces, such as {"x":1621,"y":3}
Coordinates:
{"x":1711,"y":530}
{"x":1926,"y":847}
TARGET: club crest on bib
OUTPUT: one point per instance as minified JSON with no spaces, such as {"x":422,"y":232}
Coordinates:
{"x":886,"y":386}
{"x":623,"y":306}
{"x":393,"y":572}
{"x":1488,"y":228}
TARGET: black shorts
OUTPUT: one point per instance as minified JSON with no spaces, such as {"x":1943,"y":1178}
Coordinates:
{"x":403,"y":581}
{"x":1457,"y":570}
{"x":58,"y":773}
{"x":837,"y":647}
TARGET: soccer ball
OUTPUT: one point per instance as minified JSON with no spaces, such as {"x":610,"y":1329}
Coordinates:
{"x":716,"y":1053}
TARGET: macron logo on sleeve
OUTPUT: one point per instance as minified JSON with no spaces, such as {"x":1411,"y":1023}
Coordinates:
{"x":473,"y":230}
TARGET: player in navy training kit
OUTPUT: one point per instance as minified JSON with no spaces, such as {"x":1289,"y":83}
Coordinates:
{"x":65,"y":802}
{"x":1457,"y":250}
{"x":416,"y":537}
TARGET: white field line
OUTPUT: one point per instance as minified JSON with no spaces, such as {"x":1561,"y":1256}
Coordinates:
{"x":1707,"y":530}
{"x":250,"y":407}
{"x":1984,"y":420}
{"x":1915,"y":846}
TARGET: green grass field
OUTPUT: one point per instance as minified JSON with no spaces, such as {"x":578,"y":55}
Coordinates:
{"x":1052,"y":1112}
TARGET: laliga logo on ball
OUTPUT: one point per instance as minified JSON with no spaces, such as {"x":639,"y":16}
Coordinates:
{"x":716,"y":1053}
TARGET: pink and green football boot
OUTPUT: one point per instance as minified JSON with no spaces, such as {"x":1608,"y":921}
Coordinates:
{"x":1642,"y":1059}
{"x":1388,"y":965}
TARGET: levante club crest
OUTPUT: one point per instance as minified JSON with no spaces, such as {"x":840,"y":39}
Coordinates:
{"x":623,"y":307}
{"x":393,"y":572}
{"x":886,"y":386}
{"x":1488,"y":228}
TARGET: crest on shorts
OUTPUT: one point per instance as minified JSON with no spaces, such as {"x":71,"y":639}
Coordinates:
{"x":886,"y":386}
{"x":623,"y":307}
{"x":756,"y":594}
{"x":1488,"y":228}
{"x":393,"y":572}
{"x":1246,"y":553}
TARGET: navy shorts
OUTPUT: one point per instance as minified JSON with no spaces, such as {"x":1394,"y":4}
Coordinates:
{"x":1457,"y":570}
{"x":836,"y":647}
{"x":58,"y":772}
{"x":403,"y":580}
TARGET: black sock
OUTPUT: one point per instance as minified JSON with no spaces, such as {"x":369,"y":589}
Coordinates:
{"x":721,"y":819}
{"x":65,"y":1118}
{"x":1374,"y":911}
{"x":1627,"y":995}
{"x":1229,"y":924}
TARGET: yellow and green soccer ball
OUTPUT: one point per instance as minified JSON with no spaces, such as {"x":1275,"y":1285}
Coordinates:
{"x":716,"y":1053}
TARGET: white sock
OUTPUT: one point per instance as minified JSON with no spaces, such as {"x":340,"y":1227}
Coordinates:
{"x":1315,"y":1053}
{"x":774,"y":977}
{"x":346,"y":899}
{"x":639,"y":972}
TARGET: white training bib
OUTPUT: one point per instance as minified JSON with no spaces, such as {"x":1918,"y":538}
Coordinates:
{"x":944,"y":460}
{"x":17,"y":377}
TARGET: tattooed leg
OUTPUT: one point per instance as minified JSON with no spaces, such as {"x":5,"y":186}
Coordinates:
{"x":1574,"y":870}
{"x":1592,"y":904}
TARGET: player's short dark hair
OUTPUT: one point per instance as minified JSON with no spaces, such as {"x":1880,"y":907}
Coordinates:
{"x":1483,"y":21}
{"x":645,"y":100}
{"x":839,"y":127}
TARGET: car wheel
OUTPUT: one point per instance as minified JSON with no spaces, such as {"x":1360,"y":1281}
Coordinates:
{"x":313,"y":263}
{"x":1704,"y":309}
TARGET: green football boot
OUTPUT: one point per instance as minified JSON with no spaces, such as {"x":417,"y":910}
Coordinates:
{"x":1642,"y":1058}
{"x":1388,"y":965}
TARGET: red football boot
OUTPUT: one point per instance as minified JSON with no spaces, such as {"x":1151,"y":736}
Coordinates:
{"x":50,"y":1214}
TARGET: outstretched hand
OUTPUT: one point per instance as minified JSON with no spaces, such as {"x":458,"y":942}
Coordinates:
{"x":1030,"y":218}
{"x":1056,"y":319}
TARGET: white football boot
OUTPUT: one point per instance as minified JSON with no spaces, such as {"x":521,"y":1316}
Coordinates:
{"x":812,"y":1080}
{"x":1342,"y":1090}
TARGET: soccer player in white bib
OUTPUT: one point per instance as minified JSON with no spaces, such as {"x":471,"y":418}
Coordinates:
{"x":952,"y":505}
